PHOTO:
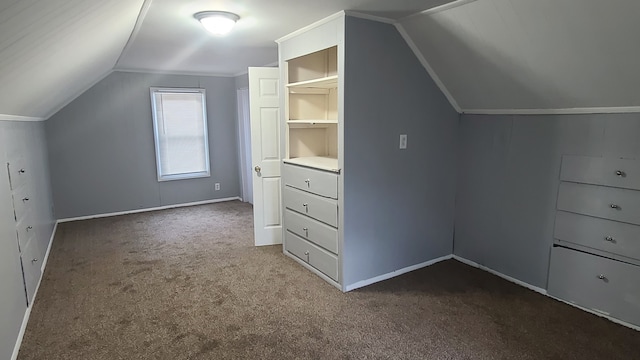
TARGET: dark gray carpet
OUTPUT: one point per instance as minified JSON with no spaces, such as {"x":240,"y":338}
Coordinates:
{"x":188,"y":284}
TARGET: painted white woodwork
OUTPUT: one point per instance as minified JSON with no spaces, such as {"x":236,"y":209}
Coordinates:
{"x":621,"y":173}
{"x":520,"y":55}
{"x":318,"y":162}
{"x":600,"y":201}
{"x":598,"y":283}
{"x":53,"y":50}
{"x":264,"y":99}
{"x":315,"y":256}
{"x":311,"y":230}
{"x":322,"y":183}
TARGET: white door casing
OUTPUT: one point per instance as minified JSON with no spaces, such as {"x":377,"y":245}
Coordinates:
{"x":264,"y":89}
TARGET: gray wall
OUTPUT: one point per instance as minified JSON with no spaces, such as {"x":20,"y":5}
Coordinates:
{"x":508,"y":180}
{"x":101,"y":147}
{"x":21,"y":140}
{"x":398,"y":204}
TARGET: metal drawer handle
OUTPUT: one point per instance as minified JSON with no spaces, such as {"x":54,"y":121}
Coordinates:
{"x":306,"y":231}
{"x":29,"y":227}
{"x":621,"y":173}
{"x":615,"y":206}
{"x":610,"y":239}
{"x":21,"y":171}
{"x":306,"y":207}
{"x":34,"y":260}
{"x":25,"y":199}
{"x":306,"y":253}
{"x":602,"y":277}
{"x":308,"y":181}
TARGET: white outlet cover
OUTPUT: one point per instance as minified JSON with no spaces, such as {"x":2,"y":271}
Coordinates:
{"x":403,"y":141}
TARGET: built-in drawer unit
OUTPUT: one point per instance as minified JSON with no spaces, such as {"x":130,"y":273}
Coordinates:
{"x":21,"y":201}
{"x":313,"y":255}
{"x":600,"y":234}
{"x":17,"y":173}
{"x":31,"y":268}
{"x":598,"y":283}
{"x":601,"y":171}
{"x":600,"y":201}
{"x":314,"y":231}
{"x":25,"y":231}
{"x":319,"y":182}
{"x":317,"y":207}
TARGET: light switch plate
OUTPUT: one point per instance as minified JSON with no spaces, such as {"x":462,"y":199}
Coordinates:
{"x":403,"y":141}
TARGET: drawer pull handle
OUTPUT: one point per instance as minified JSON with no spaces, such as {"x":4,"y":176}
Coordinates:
{"x":306,"y":207}
{"x":25,"y":199}
{"x":610,"y":239}
{"x":308,"y":181}
{"x":602,"y":277}
{"x":21,"y":171}
{"x":34,"y":260}
{"x":29,"y":227}
{"x":621,"y":173}
{"x":615,"y":206}
{"x":306,"y":253}
{"x":306,"y":231}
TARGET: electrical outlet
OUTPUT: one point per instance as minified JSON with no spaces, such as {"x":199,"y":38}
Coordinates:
{"x":403,"y":141}
{"x":217,"y":186}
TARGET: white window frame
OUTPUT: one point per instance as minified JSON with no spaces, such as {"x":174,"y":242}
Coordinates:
{"x":181,"y":176}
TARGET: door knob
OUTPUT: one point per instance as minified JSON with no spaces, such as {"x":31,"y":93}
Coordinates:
{"x":257,"y":169}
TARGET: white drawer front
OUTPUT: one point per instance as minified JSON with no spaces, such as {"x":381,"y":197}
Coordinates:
{"x":26,"y":231}
{"x":605,"y":202}
{"x":598,"y":283}
{"x":318,"y":233}
{"x":317,"y":207}
{"x":605,"y":235}
{"x":320,"y":259}
{"x":32,"y":268}
{"x":17,"y":173}
{"x":21,"y":201}
{"x":600,"y":171}
{"x":318,"y":182}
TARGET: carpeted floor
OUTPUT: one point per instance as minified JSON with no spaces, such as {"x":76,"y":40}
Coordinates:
{"x":188,"y":284}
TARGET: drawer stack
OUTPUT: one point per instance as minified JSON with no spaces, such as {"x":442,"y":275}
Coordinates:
{"x":595,"y":261}
{"x":310,"y":200}
{"x":21,"y":192}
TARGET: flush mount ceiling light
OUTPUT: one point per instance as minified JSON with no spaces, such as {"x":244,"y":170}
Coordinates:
{"x":217,"y":22}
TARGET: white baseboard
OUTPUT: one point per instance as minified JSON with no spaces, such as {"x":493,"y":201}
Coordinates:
{"x":136,"y":211}
{"x":506,"y":277}
{"x":27,"y":313}
{"x":395,"y":273}
{"x":544,"y":292}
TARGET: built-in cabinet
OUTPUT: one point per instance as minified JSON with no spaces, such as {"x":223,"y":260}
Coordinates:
{"x":311,"y":164}
{"x":595,"y":260}
{"x":26,"y":224}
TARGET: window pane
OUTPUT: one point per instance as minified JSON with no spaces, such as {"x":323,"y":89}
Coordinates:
{"x":181,"y":141}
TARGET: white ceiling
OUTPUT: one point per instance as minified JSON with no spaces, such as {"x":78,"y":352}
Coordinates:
{"x":51,"y":50}
{"x":170,"y":39}
{"x":487,"y":55}
{"x":506,"y":55}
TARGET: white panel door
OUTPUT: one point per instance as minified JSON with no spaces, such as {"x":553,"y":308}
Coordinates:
{"x":264,"y":89}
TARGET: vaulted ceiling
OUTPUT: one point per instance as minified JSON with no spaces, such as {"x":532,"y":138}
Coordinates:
{"x":488,"y":56}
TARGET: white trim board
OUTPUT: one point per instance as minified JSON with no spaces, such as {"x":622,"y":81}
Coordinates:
{"x":5,"y":117}
{"x":437,"y":9}
{"x":27,"y":314}
{"x":567,"y":111}
{"x":136,"y":211}
{"x":144,"y":10}
{"x":612,"y":319}
{"x":506,"y":277}
{"x":171,"y":72}
{"x":366,"y":16}
{"x":395,"y":273}
{"x":427,"y":66}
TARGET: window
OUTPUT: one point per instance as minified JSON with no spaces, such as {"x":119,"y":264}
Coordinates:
{"x":180,"y":130}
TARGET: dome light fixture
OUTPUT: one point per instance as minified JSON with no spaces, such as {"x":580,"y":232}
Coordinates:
{"x":217,"y":22}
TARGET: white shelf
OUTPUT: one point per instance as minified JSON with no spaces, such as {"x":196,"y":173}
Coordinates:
{"x":316,"y":162}
{"x":324,"y":83}
{"x":311,"y":123}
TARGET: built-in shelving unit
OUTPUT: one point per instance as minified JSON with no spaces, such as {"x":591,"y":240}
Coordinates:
{"x":311,"y":109}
